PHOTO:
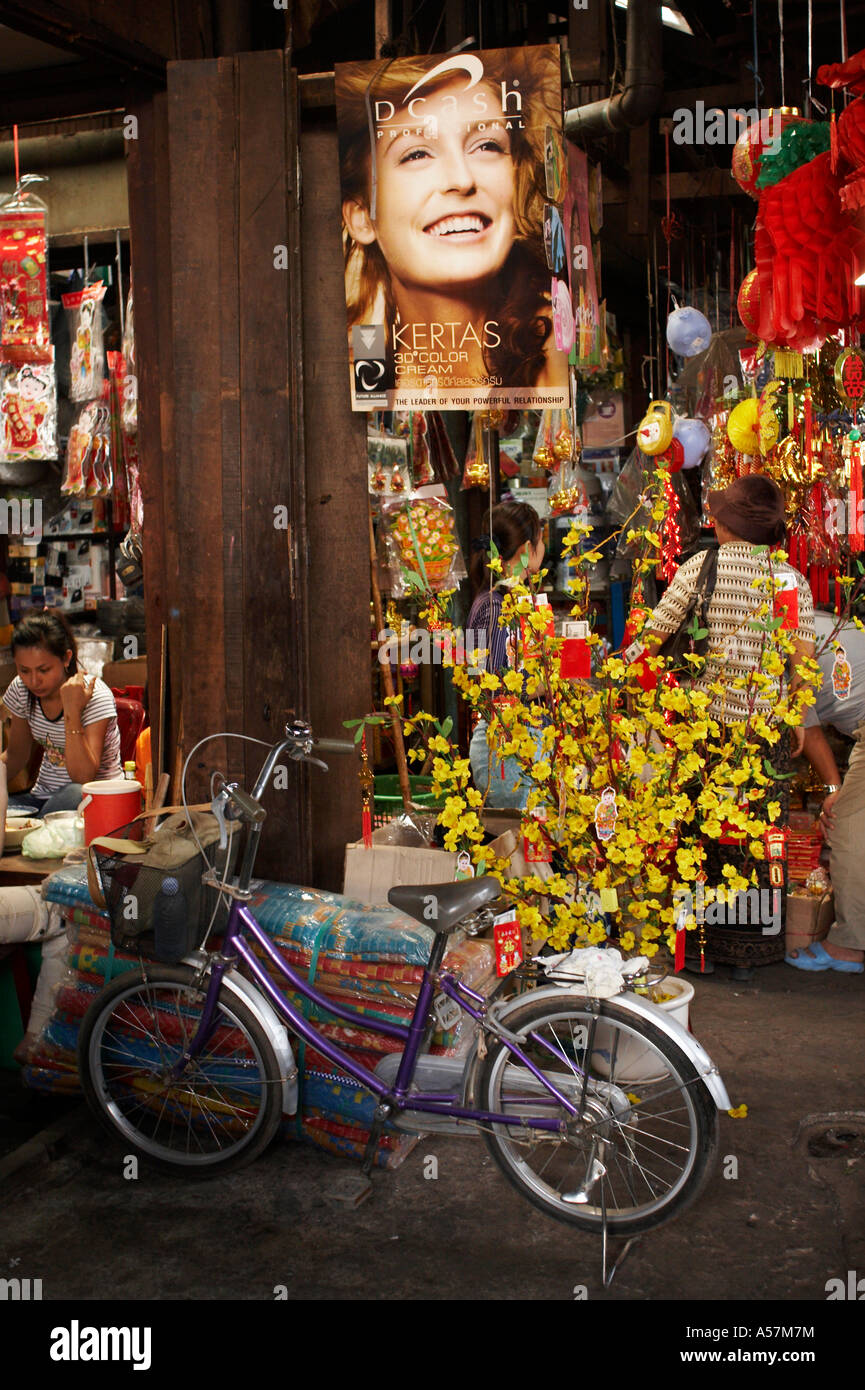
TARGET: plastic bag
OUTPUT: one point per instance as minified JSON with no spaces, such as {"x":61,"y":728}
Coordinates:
{"x":25,"y":325}
{"x":86,"y":363}
{"x":628,"y":503}
{"x":28,"y":412}
{"x":554,"y":442}
{"x":421,"y":546}
{"x":476,"y":469}
{"x":130,"y":384}
{"x":89,"y":470}
{"x":60,"y":832}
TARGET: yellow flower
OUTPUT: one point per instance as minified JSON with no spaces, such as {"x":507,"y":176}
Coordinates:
{"x":739,"y":1113}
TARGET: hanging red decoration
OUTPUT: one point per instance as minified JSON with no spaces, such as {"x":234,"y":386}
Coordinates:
{"x":748,"y":302}
{"x":671,"y":532}
{"x":748,"y":149}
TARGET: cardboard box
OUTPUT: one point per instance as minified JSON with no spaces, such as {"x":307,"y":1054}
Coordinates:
{"x":122,"y":673}
{"x":808,"y":919}
{"x":369,"y":873}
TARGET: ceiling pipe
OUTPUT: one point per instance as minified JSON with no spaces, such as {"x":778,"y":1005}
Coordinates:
{"x":644,"y":80}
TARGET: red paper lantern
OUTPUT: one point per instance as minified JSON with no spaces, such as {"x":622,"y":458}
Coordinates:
{"x":805,"y":247}
{"x":748,"y":302}
{"x":748,"y":149}
{"x":851,"y":151}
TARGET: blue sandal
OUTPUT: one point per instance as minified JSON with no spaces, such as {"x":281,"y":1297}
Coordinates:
{"x":819,"y":959}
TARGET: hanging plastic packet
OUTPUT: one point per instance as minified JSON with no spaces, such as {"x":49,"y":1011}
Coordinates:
{"x":25,"y":323}
{"x":554,"y":442}
{"x":88,"y":453}
{"x":28,"y":412}
{"x":86,"y":363}
{"x":130,"y":381}
{"x":421,"y":545}
{"x":476,"y":470}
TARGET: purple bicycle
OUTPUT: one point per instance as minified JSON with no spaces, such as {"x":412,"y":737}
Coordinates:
{"x":602,"y":1112}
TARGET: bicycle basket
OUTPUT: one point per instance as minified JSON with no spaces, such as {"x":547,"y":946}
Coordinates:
{"x":153,"y":894}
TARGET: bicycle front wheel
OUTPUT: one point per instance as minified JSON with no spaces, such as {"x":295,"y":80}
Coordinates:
{"x":218,"y":1110}
{"x":641,"y":1146}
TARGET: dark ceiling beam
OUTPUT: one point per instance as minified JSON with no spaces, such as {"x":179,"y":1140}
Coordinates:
{"x":68,"y":24}
{"x":76,"y":89}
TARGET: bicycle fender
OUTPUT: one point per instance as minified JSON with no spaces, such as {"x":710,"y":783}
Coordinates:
{"x":270,"y":1021}
{"x":642,"y":1008}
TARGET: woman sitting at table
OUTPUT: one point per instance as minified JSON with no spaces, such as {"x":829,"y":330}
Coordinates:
{"x":71,"y":716}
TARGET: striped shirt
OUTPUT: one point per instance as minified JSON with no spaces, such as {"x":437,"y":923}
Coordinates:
{"x":734,"y":647}
{"x":50,"y":734}
{"x":488,"y":634}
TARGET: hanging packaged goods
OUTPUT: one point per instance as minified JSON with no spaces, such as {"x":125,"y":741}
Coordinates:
{"x":86,"y":363}
{"x":25,"y":327}
{"x":28,"y":412}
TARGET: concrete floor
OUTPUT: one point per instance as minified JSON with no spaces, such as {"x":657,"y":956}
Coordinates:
{"x":789,"y":1045}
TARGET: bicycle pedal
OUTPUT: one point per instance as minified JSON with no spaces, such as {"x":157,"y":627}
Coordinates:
{"x":349,"y":1191}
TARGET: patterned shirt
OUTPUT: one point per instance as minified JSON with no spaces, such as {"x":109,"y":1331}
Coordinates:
{"x":734,"y":647}
{"x":50,"y":734}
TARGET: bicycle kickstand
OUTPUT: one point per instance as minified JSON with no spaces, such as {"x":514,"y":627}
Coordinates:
{"x":608,"y":1278}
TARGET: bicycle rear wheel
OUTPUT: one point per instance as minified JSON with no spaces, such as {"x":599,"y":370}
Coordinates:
{"x":642,"y":1146}
{"x":219,"y":1111}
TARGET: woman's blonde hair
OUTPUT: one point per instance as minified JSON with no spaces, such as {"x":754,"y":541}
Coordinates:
{"x":523,"y":316}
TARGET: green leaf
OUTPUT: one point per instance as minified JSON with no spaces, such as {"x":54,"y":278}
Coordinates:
{"x":446,"y":727}
{"x":351,"y":723}
{"x":412,"y":579}
{"x":358,"y":734}
{"x":700,"y":633}
{"x":776,"y":776}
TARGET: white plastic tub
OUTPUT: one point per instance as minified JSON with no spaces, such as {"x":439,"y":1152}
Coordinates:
{"x":635,"y":1060}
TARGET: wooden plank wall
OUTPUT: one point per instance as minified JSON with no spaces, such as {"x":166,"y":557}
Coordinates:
{"x":338,"y":575}
{"x":217,"y":332}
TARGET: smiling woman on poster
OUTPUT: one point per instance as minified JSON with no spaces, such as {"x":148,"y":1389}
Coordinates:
{"x":447,"y":286}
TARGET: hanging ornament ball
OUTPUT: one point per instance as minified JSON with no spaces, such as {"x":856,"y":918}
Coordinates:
{"x":854,"y":435}
{"x":748,"y":302}
{"x":748,"y":149}
{"x":688,"y":332}
{"x":695,"y":437}
{"x":743,"y":426}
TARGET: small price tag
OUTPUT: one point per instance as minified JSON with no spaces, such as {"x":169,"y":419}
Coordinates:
{"x":609,"y":900}
{"x":508,"y":943}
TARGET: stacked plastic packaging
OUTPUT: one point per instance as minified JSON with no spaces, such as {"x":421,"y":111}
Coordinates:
{"x":370,"y":959}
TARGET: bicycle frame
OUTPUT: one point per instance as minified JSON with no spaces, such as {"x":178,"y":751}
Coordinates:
{"x":241,"y":920}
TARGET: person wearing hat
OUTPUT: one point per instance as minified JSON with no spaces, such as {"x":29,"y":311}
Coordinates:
{"x":747,"y":514}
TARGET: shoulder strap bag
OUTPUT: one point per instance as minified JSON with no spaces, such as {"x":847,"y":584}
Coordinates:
{"x":680,"y":640}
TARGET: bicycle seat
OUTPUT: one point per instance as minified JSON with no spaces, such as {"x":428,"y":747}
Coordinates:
{"x":442,"y":906}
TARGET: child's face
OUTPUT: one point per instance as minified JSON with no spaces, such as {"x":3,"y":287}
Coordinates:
{"x":444,"y":213}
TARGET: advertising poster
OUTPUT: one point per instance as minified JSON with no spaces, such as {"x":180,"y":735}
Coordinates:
{"x":453,"y":181}
{"x":581,"y":264}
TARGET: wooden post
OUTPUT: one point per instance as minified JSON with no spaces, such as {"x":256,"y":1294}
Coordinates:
{"x":386,"y":674}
